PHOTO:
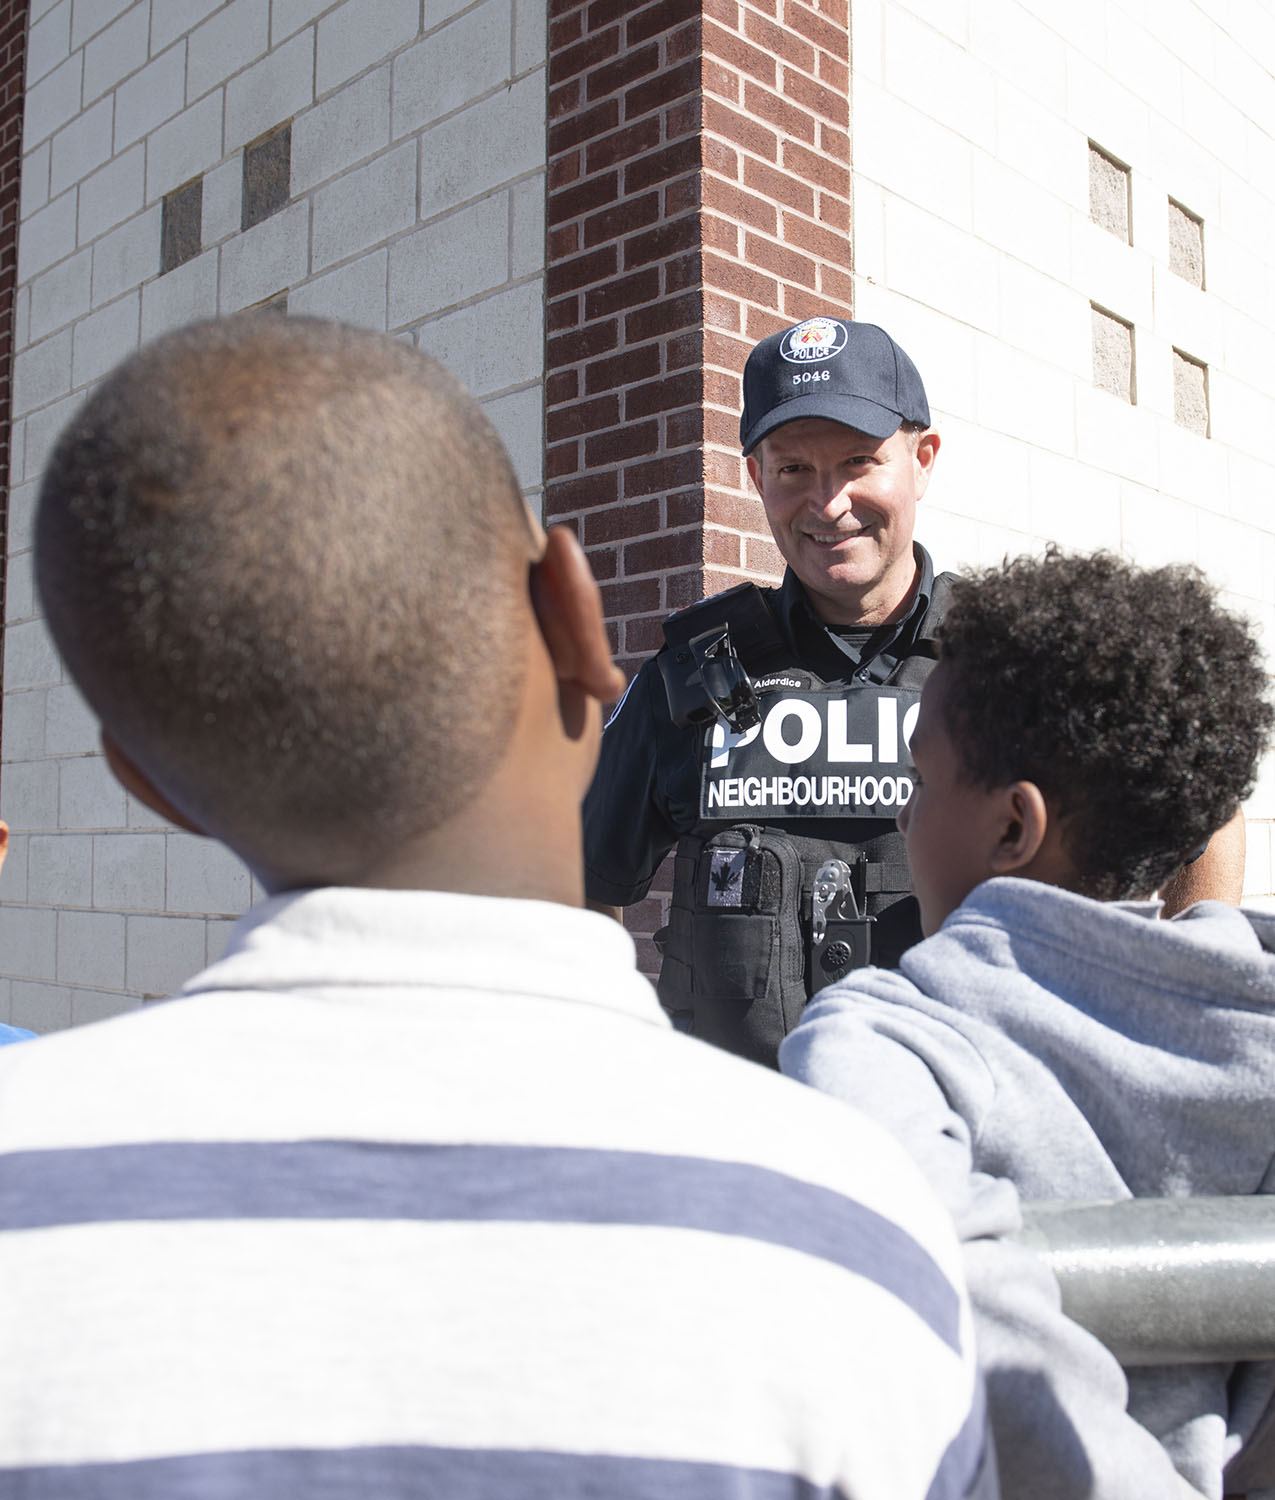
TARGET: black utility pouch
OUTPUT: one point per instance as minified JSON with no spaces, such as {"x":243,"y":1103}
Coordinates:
{"x":747,"y":950}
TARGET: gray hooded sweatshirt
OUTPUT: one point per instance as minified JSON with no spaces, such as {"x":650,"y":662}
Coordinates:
{"x":1081,"y":1050}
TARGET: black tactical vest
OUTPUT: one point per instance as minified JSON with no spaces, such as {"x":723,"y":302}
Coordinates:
{"x":795,"y":873}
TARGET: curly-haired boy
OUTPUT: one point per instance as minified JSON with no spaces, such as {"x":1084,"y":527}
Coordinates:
{"x":1090,"y":724}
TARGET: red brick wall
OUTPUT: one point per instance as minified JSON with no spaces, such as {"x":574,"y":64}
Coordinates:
{"x":13,"y":52}
{"x":698,"y":199}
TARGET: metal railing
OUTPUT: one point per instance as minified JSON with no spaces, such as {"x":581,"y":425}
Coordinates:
{"x":1165,"y":1280}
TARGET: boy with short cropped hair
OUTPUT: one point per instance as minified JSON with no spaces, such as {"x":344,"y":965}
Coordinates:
{"x":1088,"y":726}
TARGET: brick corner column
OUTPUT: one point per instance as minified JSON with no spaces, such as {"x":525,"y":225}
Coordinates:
{"x":698,"y":199}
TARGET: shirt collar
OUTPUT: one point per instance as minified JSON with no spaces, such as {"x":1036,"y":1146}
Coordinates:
{"x":809,"y":633}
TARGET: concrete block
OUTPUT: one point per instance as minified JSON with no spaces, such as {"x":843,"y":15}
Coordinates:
{"x":154,"y":94}
{"x":452,"y":66}
{"x":1005,"y":34}
{"x":930,"y":261}
{"x":453,"y":259}
{"x":898,"y":146}
{"x":141,"y":816}
{"x":1186,"y":171}
{"x":21,"y":329}
{"x":88,"y":1006}
{"x":491,"y":143}
{"x":41,"y":431}
{"x":531,"y":35}
{"x":1257,"y":859}
{"x":41,"y":1008}
{"x":1020,"y":395}
{"x":60,"y":870}
{"x":23,"y":729}
{"x":126,"y":257}
{"x":347,"y":128}
{"x":6,"y":1000}
{"x":163,"y":953}
{"x":47,"y":236}
{"x":1112,"y":274}
{"x":930,"y":73}
{"x":204,"y":878}
{"x":355,"y":293}
{"x":1238,"y":410}
{"x":268,"y":258}
{"x":105,"y":337}
{"x":112,"y":194}
{"x":1137,"y":56}
{"x":1237,"y":558}
{"x":91,"y":949}
{"x":1247,"y":493}
{"x":1044,"y":317}
{"x":223,"y":200}
{"x":1072,"y":504}
{"x":183,"y":295}
{"x":365,"y":207}
{"x":463,"y":340}
{"x":89,"y":796}
{"x":36,"y":166}
{"x":1034,"y":141}
{"x":88,"y":19}
{"x":19,"y":588}
{"x":13,"y":879}
{"x":1209,"y":115}
{"x":234,"y":35}
{"x":1104,"y":110}
{"x":527,"y":227}
{"x":287,"y":16}
{"x":42,"y":372}
{"x":48,"y":41}
{"x":270,"y":91}
{"x":1018,"y":217}
{"x":62,"y":294}
{"x":186,"y":146}
{"x":177,"y":18}
{"x":218,"y":936}
{"x":71,"y":727}
{"x":53,"y":100}
{"x":28,"y":940}
{"x":1195,"y":470}
{"x":951,"y":17}
{"x":1157,"y":528}
{"x":354,"y":36}
{"x":30,"y":657}
{"x":80,"y":147}
{"x":22,"y":502}
{"x":118,"y":51}
{"x":29,"y":796}
{"x":519,"y":418}
{"x":129,"y":871}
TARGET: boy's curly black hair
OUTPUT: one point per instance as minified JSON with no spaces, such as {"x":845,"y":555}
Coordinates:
{"x":1133,"y":700}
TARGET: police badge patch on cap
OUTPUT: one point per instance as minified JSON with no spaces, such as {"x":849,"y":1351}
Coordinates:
{"x":834,"y":369}
{"x":816,"y":338}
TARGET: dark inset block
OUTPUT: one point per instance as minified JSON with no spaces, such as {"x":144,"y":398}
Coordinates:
{"x":181,"y":225}
{"x":267,"y":175}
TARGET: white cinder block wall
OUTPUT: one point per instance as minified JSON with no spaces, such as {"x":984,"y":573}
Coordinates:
{"x":415,"y":206}
{"x":972,"y":127}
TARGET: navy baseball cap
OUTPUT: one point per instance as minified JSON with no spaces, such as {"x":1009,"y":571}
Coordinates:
{"x":852,"y":373}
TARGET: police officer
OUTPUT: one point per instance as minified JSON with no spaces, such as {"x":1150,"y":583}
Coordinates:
{"x":768,"y":738}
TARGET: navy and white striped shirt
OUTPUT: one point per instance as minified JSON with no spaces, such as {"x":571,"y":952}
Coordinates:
{"x":417,"y":1195}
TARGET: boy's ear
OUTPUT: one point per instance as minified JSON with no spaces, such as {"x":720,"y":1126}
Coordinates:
{"x":133,"y":779}
{"x":568,"y":608}
{"x":1024,"y":823}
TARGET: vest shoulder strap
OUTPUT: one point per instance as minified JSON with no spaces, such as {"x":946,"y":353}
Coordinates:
{"x":755,"y":634}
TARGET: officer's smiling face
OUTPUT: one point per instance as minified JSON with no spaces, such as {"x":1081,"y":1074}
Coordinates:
{"x":841,"y":506}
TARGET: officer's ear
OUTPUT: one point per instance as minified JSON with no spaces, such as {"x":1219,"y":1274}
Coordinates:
{"x":1024,"y":836}
{"x":568,"y":608}
{"x":135,"y":781}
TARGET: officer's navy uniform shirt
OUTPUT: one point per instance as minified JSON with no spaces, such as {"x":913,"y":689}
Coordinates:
{"x":645,"y":794}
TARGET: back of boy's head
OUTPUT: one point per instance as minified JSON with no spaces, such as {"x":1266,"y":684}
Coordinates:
{"x":283,"y":560}
{"x":1128,"y":695}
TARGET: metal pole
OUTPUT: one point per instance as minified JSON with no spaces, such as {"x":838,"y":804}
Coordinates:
{"x":1165,"y":1280}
